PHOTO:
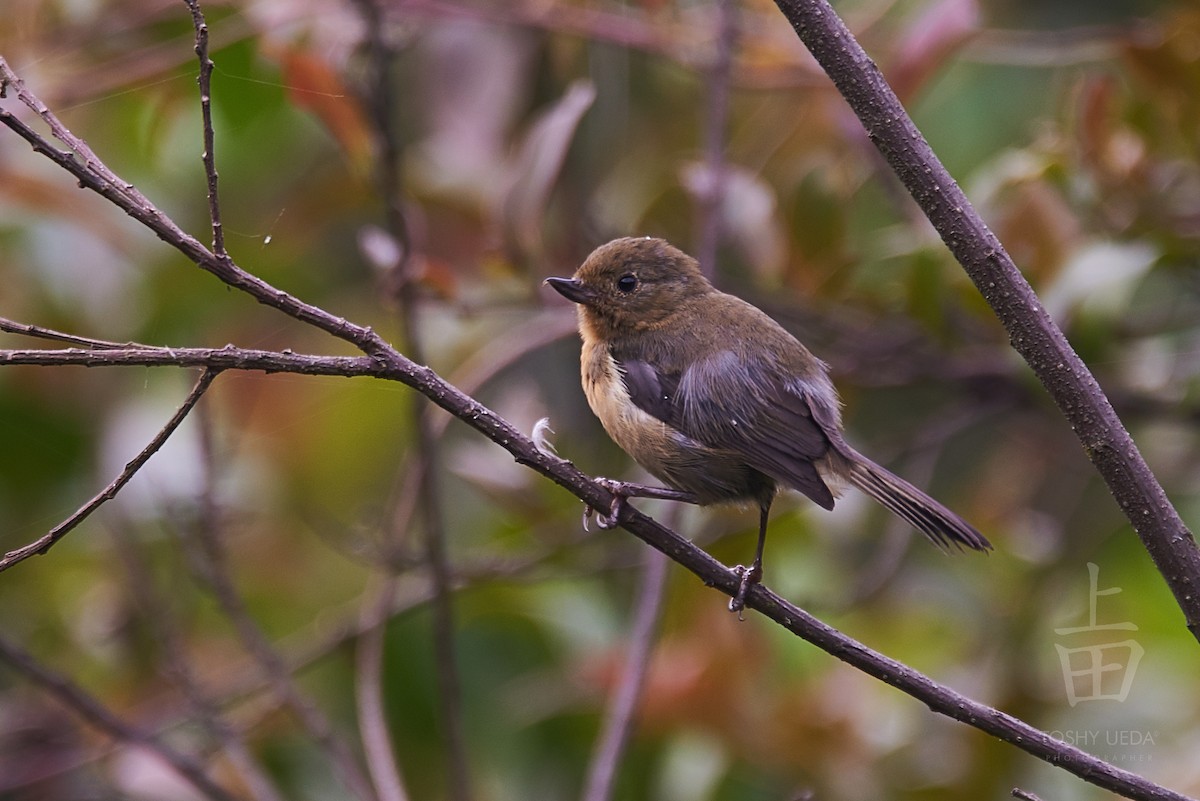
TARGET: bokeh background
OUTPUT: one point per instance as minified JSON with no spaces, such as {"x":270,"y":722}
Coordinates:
{"x":529,"y":132}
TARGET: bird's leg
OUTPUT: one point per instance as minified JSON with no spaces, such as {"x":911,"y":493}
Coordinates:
{"x":623,"y":490}
{"x":753,"y":574}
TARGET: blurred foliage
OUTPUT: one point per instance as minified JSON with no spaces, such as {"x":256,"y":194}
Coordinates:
{"x":531,"y":132}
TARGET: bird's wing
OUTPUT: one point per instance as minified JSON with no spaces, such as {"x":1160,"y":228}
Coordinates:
{"x":733,"y":403}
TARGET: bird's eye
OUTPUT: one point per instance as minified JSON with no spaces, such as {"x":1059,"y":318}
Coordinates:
{"x":627,"y":283}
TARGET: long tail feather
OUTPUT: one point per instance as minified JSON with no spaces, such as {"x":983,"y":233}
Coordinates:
{"x":943,"y":527}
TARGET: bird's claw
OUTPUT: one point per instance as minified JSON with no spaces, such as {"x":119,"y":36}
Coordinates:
{"x":749,"y":577}
{"x":606,"y":521}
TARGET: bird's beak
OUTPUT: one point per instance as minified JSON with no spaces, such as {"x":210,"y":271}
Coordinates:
{"x":572,"y":289}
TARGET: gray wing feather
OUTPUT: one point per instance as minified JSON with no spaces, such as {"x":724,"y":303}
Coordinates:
{"x":730,"y":403}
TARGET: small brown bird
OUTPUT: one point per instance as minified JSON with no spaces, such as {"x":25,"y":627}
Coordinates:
{"x":717,"y":400}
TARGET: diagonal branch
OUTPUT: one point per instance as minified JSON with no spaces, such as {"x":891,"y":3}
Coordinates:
{"x":1031,"y":331}
{"x":47,"y":541}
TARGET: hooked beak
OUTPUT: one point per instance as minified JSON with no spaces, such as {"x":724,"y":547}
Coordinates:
{"x":572,"y":289}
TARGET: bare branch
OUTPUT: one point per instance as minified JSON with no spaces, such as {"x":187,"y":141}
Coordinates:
{"x":204,"y":79}
{"x":939,"y":698}
{"x":1031,"y":331}
{"x":226,"y":358}
{"x":47,"y":541}
{"x":13,"y":327}
{"x":1024,"y":795}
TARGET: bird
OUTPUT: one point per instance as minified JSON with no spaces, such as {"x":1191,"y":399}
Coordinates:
{"x":717,"y":400}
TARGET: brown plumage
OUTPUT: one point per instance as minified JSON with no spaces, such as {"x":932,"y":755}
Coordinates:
{"x":716,"y":399}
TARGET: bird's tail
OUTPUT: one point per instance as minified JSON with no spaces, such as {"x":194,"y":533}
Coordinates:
{"x":922,"y":512}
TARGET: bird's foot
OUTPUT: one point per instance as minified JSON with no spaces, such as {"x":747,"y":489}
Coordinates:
{"x":750,"y":576}
{"x":620,"y":492}
{"x":623,"y":491}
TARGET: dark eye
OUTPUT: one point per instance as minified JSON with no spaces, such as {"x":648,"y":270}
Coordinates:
{"x":627,"y":283}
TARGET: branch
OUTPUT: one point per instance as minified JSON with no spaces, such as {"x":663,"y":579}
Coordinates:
{"x":47,"y":541}
{"x":217,"y":359}
{"x":937,"y":697}
{"x":204,"y":80}
{"x":37,"y":331}
{"x":1031,"y":331}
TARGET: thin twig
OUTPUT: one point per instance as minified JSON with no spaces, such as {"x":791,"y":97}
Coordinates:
{"x":100,"y":717}
{"x":204,"y":80}
{"x":1024,"y":795}
{"x":1031,"y":331}
{"x":217,"y":359}
{"x":37,"y":331}
{"x":47,"y":541}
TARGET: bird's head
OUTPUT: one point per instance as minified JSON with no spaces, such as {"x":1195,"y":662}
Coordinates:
{"x":631,"y":285}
